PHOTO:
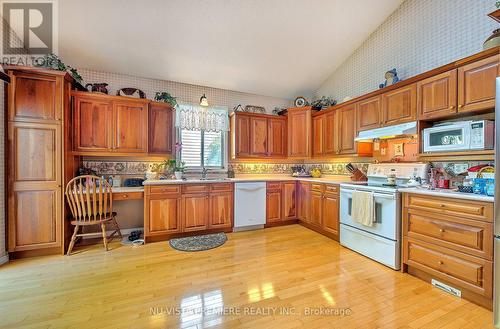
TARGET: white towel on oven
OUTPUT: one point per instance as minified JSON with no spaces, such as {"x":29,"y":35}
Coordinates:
{"x":363,"y":208}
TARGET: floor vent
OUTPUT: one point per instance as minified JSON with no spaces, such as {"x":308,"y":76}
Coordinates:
{"x":455,"y":292}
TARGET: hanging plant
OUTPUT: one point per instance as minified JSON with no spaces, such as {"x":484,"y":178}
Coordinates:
{"x":166,"y":98}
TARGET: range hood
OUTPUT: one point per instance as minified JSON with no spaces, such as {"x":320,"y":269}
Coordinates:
{"x":409,"y":128}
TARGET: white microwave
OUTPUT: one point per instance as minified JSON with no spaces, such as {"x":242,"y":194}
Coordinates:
{"x":459,"y":136}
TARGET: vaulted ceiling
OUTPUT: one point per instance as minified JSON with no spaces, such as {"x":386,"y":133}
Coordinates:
{"x":281,"y":48}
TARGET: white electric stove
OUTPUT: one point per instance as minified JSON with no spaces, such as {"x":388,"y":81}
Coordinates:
{"x":382,"y":241}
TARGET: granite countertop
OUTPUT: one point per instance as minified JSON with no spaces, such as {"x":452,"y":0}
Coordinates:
{"x":449,"y":194}
{"x":254,"y":178}
{"x":123,"y":189}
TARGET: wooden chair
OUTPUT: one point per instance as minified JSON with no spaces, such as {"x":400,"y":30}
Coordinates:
{"x":90,"y":199}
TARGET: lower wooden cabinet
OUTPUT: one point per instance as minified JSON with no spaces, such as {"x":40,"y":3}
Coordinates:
{"x":221,"y":210}
{"x":281,"y":200}
{"x":330,"y":213}
{"x":303,"y":197}
{"x":450,"y":240}
{"x":316,"y":208}
{"x":174,"y":209}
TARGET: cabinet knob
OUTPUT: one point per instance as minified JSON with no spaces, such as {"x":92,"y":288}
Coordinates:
{"x":452,"y":108}
{"x":460,"y":106}
{"x":441,"y":230}
{"x":440,"y":262}
{"x":124,"y":195}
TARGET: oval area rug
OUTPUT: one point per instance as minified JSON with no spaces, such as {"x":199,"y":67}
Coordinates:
{"x":199,"y":242}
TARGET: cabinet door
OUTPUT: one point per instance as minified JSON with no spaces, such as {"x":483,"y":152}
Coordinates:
{"x":195,"y":212}
{"x":304,"y":201}
{"x":35,"y":97}
{"x":318,"y":135}
{"x":331,"y":214}
{"x":476,"y":85}
{"x":93,"y":124}
{"x":289,"y":200}
{"x":163,"y":215}
{"x":161,"y":128}
{"x":273,"y":206}
{"x":316,"y":208}
{"x":299,"y":133}
{"x":400,"y":105}
{"x":276,"y":137}
{"x":258,"y":136}
{"x":369,"y":114}
{"x":221,"y":210}
{"x":330,"y":135}
{"x":130,"y":131}
{"x":242,"y":136}
{"x":437,"y":96}
{"x":347,"y":129}
{"x":35,"y":198}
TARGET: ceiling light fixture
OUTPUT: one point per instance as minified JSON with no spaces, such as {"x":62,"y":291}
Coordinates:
{"x":203,"y":100}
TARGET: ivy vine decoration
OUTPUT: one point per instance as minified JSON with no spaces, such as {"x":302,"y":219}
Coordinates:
{"x":166,"y":98}
{"x":497,"y":4}
{"x":52,"y":61}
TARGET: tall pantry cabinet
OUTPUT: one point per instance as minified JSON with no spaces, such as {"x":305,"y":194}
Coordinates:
{"x":38,"y":132}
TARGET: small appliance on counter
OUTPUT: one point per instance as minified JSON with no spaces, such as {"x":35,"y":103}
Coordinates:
{"x":459,"y":136}
{"x":133,"y":182}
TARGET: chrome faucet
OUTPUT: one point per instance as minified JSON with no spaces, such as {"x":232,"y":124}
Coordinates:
{"x":204,"y":173}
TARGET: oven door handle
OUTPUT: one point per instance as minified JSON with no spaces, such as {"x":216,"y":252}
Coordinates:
{"x":375,"y":194}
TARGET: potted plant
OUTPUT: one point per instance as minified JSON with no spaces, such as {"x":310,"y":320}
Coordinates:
{"x":166,"y":98}
{"x":179,"y":170}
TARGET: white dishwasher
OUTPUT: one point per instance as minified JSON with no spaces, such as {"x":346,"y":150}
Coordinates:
{"x":249,"y":206}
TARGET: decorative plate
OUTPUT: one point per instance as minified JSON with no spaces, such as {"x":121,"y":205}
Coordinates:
{"x":300,"y":102}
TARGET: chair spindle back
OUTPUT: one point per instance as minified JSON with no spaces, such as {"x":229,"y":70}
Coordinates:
{"x":89,"y":197}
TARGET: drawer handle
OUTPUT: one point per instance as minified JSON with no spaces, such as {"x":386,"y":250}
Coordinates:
{"x":124,"y":196}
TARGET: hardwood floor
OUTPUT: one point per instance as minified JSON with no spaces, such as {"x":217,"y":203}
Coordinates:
{"x":289,"y":268}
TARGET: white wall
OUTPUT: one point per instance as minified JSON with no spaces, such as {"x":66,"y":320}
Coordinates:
{"x":420,"y":35}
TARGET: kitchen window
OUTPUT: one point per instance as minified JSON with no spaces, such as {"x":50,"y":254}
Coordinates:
{"x":202,"y":133}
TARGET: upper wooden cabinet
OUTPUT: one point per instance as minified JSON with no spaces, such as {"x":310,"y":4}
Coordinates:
{"x":347,"y":133}
{"x":330,"y":133}
{"x":399,"y":105}
{"x":109,"y":124}
{"x":369,"y":113}
{"x":437,"y":96}
{"x":476,"y":84}
{"x":319,"y":135}
{"x":257,"y":135}
{"x":130,"y":126}
{"x":161,"y":128}
{"x":299,"y":132}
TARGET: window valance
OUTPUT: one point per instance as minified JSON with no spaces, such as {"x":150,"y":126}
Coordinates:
{"x":197,"y":117}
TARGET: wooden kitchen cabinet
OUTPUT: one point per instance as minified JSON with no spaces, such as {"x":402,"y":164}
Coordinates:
{"x":437,"y":96}
{"x":299,"y":132}
{"x":195,"y":212}
{"x":369,"y":114}
{"x":316,"y":208}
{"x":273,"y":206}
{"x":161,"y":128}
{"x":221,"y":210}
{"x":304,"y":201}
{"x":450,"y":240}
{"x":399,"y":105}
{"x":276,"y":137}
{"x":319,"y":126}
{"x":106,"y":124}
{"x":130,"y":130}
{"x":38,"y":103}
{"x":330,"y":212}
{"x":163,"y":214}
{"x":330,"y":133}
{"x":476,"y":84}
{"x":347,"y":123}
{"x":289,"y":197}
{"x":257,"y":135}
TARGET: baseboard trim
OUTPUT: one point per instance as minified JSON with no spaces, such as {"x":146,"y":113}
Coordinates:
{"x":4,"y":259}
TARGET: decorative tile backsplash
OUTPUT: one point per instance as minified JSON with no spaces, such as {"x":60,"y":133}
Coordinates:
{"x":140,"y":167}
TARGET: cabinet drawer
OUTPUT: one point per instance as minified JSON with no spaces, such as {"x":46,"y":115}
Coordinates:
{"x":448,"y":206}
{"x":202,"y":188}
{"x":224,"y":187}
{"x":127,"y":196}
{"x":317,"y":187}
{"x":472,"y":273}
{"x":274,"y":185}
{"x":332,"y":189}
{"x":464,"y":235}
{"x":165,"y":189}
